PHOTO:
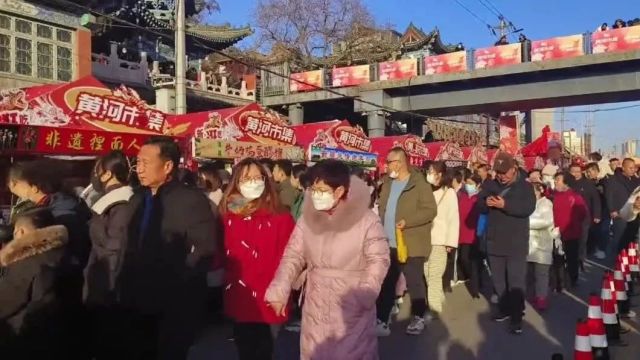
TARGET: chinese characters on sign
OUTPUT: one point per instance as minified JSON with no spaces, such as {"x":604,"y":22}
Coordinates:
{"x":306,"y":81}
{"x":115,"y":111}
{"x":266,"y":128}
{"x":317,"y":153}
{"x":71,"y":141}
{"x":446,"y":63}
{"x":353,"y":140}
{"x":401,"y":69}
{"x":557,"y":48}
{"x":616,"y":40}
{"x":498,"y":56}
{"x":217,"y":149}
{"x":351,"y":76}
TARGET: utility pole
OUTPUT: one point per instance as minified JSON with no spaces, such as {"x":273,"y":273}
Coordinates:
{"x":181,"y":56}
{"x":562,"y":121}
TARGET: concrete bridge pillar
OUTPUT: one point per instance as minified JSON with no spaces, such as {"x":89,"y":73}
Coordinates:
{"x":376,"y":123}
{"x":296,"y":114}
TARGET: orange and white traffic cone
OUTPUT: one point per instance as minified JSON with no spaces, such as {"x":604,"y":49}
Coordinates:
{"x":621,"y":291}
{"x":597,"y":332}
{"x":582,"y":347}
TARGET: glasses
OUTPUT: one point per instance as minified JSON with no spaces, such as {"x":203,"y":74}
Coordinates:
{"x":389,"y":162}
{"x":317,"y":191}
{"x":247,"y":179}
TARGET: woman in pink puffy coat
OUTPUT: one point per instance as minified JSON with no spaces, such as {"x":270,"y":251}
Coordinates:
{"x":343,"y":246}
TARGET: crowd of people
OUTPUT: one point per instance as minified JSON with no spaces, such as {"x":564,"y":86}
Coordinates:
{"x":121,"y":272}
{"x":618,"y":24}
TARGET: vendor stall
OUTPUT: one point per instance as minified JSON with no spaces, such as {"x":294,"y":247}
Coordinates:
{"x":475,"y":154}
{"x":412,"y":145}
{"x":236,"y":133}
{"x":448,"y":152}
{"x":336,"y":139}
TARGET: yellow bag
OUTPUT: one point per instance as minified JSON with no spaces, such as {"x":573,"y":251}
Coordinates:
{"x":403,"y":253}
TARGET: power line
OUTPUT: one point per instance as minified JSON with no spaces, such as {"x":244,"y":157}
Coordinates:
{"x":269,"y":71}
{"x":472,"y":13}
{"x":590,"y":111}
{"x":491,"y":8}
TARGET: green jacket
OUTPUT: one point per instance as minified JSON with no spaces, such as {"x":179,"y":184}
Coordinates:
{"x":287,"y":193}
{"x":417,"y":207}
{"x":296,"y":209}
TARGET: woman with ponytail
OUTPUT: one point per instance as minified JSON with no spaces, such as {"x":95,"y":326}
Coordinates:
{"x":108,"y":232}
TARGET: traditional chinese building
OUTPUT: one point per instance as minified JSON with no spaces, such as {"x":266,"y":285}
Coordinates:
{"x":41,"y":44}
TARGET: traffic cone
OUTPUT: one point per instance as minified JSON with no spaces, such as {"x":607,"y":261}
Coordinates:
{"x":597,"y":332}
{"x":620,"y":291}
{"x":633,"y":261}
{"x":626,"y":270}
{"x":610,"y":320}
{"x":582,"y":347}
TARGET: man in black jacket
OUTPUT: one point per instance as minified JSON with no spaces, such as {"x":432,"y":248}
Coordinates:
{"x":591,"y":197}
{"x":509,"y":201}
{"x":617,"y":191}
{"x":171,"y":241}
{"x":599,"y":238}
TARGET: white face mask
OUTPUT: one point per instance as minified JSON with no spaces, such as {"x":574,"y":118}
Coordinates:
{"x":431,"y":179}
{"x":394,"y":174}
{"x":322,"y":201}
{"x":549,"y":181}
{"x":252,"y":190}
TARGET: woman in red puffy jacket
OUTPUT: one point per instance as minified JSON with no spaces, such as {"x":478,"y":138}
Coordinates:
{"x":257,"y":229}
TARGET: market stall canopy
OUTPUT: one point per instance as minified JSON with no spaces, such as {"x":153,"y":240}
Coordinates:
{"x":411,"y":144}
{"x":449,"y":152}
{"x":475,"y":154}
{"x":249,"y":123}
{"x":82,"y":117}
{"x":335,"y":134}
{"x":82,"y":104}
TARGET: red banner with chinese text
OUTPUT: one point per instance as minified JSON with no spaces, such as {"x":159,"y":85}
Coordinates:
{"x":351,"y":76}
{"x":446,"y":63}
{"x":557,"y":48}
{"x":66,"y":141}
{"x":498,"y":56}
{"x":509,"y":141}
{"x":616,"y":40}
{"x":476,"y":154}
{"x":82,"y":104}
{"x":412,"y":145}
{"x":306,"y":81}
{"x":333,"y":134}
{"x":250,"y":123}
{"x":401,"y":69}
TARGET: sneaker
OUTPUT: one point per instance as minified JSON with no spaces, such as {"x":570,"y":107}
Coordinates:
{"x":494,"y":299}
{"x":416,"y":326}
{"x":600,"y":255}
{"x":382,"y":329}
{"x":515,"y":328}
{"x":395,"y":310}
{"x":629,"y":315}
{"x":500,"y":317}
{"x":293,"y":326}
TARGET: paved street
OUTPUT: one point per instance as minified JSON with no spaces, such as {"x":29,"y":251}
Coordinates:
{"x":466,"y":332}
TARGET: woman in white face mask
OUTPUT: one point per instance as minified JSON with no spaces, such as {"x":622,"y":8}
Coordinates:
{"x":343,"y":245}
{"x":256,"y":230}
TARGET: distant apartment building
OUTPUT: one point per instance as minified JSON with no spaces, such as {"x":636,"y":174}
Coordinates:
{"x":573,"y":142}
{"x":630,"y":148}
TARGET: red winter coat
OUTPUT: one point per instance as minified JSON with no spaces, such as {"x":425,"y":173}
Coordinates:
{"x":469,"y":216}
{"x":254,"y":246}
{"x":569,"y":212}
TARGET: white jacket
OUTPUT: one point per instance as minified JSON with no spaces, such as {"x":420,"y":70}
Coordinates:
{"x":446,"y":225}
{"x":541,"y":238}
{"x":628,"y":213}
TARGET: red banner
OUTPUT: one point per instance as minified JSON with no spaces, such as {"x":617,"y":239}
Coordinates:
{"x":509,"y":134}
{"x":351,"y":76}
{"x":446,"y":63}
{"x":82,"y":104}
{"x":413,"y":145}
{"x":250,"y":123}
{"x":401,"y":69}
{"x":557,"y":48}
{"x":616,"y":40}
{"x":476,"y":154}
{"x":65,"y":141}
{"x":306,"y":81}
{"x":498,"y":56}
{"x":333,"y":134}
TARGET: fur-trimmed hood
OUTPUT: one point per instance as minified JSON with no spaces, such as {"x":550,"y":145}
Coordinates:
{"x":345,"y":215}
{"x":38,"y":242}
{"x":116,"y":196}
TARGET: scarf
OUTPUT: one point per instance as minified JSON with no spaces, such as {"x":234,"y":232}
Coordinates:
{"x":240,"y":205}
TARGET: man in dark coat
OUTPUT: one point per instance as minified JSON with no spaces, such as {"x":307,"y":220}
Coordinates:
{"x":509,"y":201}
{"x":171,"y":243}
{"x":617,"y":191}
{"x":587,"y":189}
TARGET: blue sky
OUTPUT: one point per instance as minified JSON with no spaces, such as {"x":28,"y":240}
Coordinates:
{"x":539,"y":18}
